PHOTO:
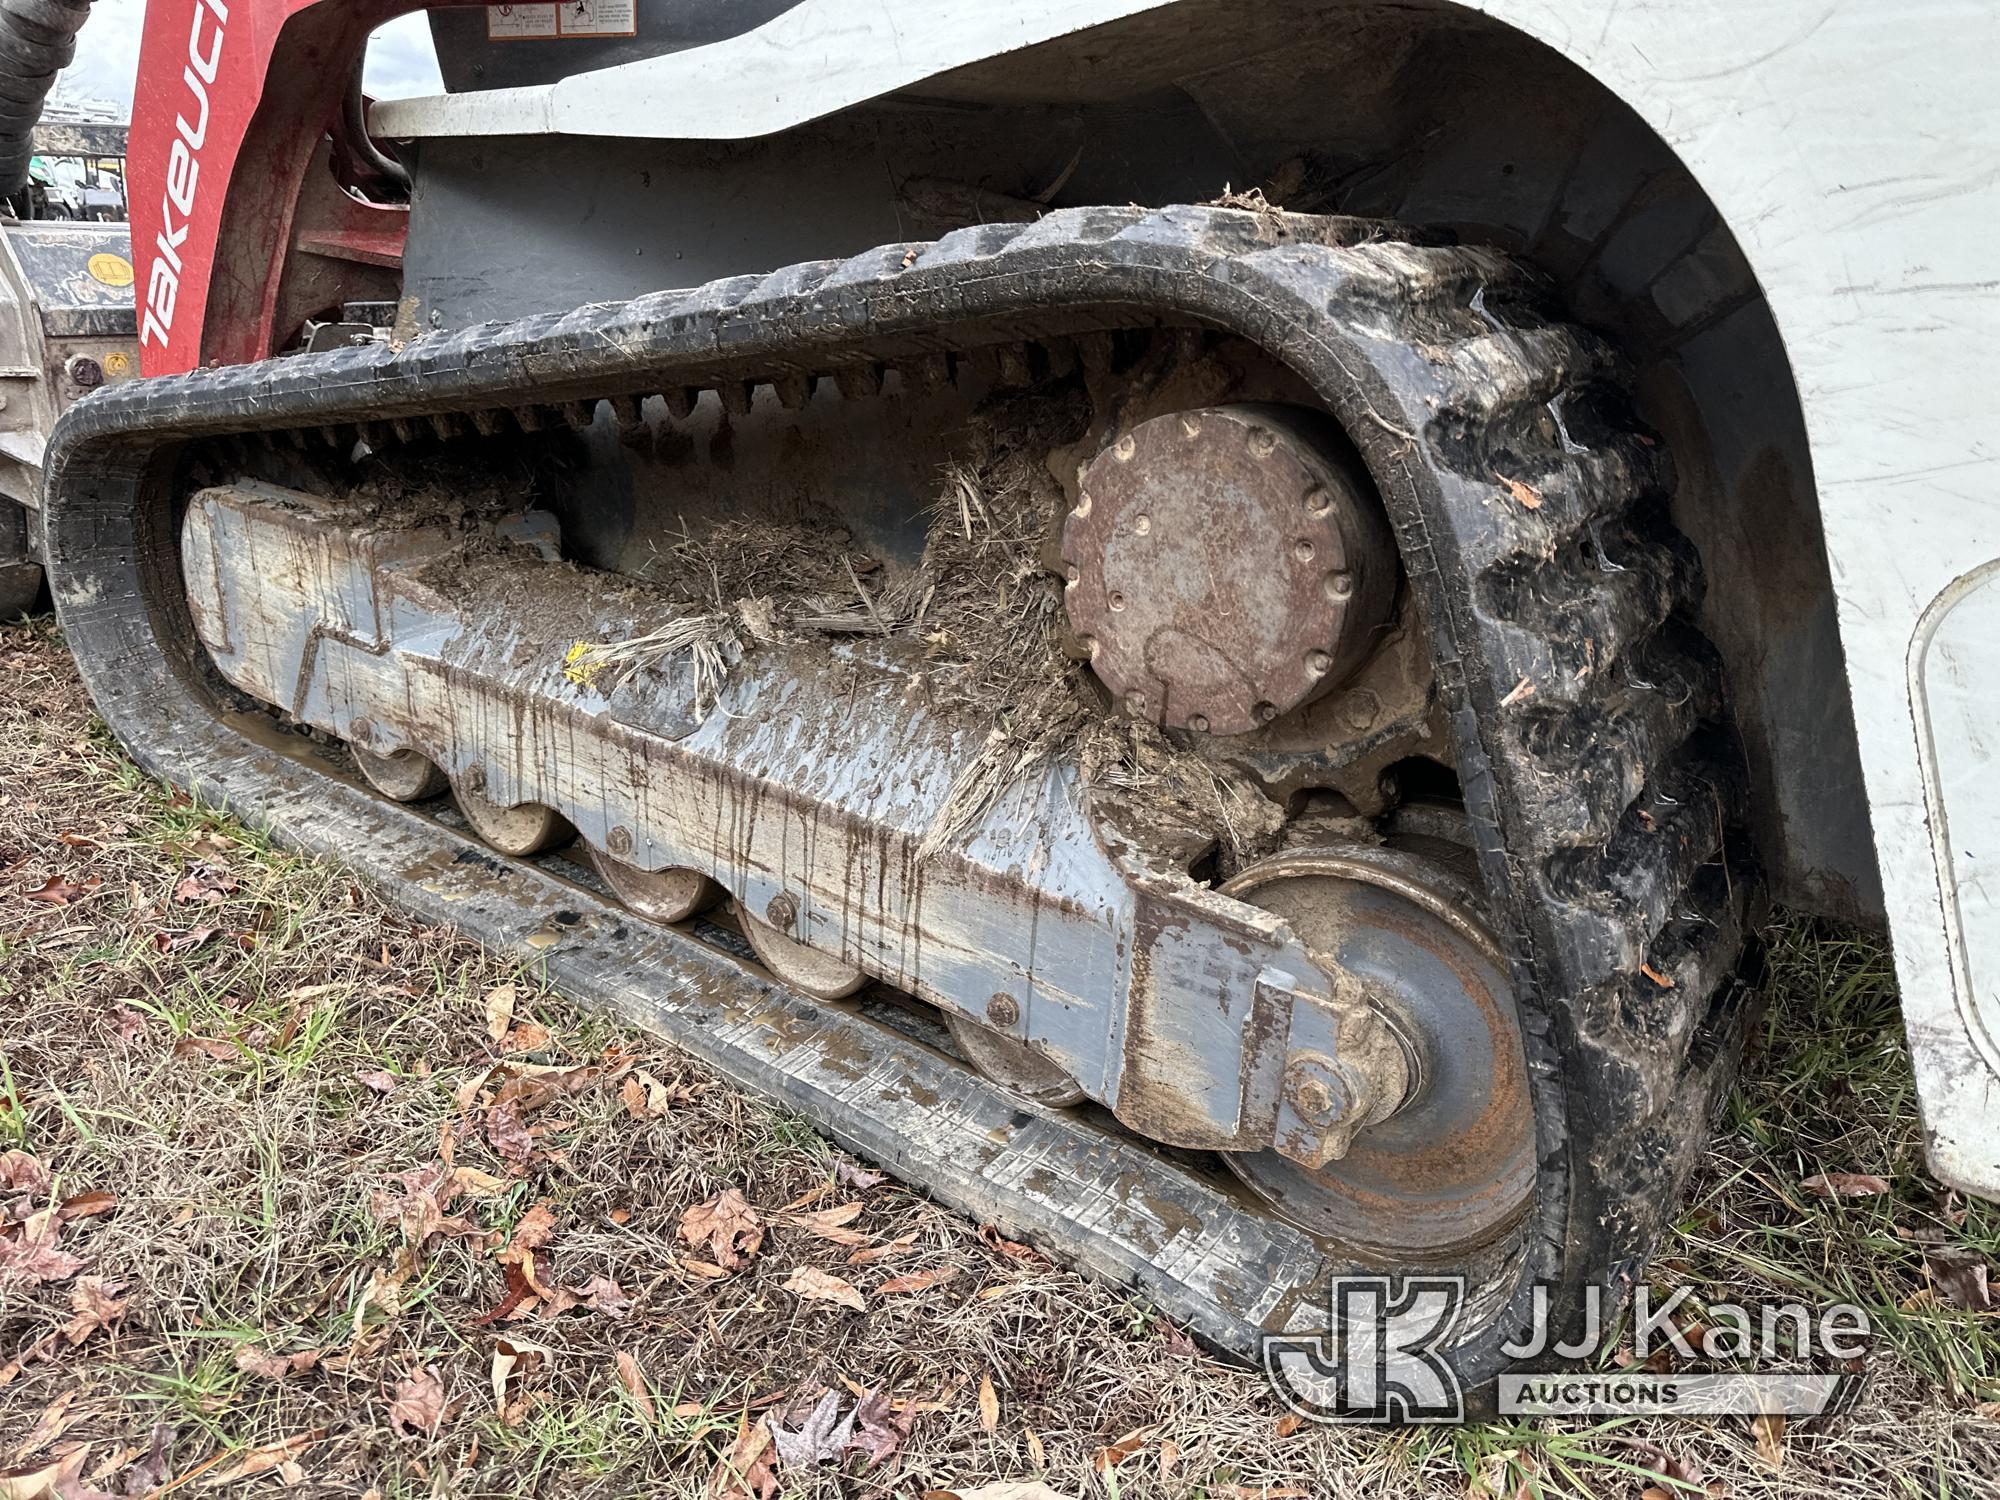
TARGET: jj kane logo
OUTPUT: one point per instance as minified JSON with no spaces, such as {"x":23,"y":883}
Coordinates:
{"x":1385,"y":1357}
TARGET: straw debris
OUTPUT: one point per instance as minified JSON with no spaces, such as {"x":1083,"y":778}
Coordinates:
{"x":980,"y":602}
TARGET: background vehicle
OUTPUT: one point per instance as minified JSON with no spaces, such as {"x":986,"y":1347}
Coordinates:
{"x":66,"y":307}
{"x":79,"y":167}
{"x":1330,"y":687}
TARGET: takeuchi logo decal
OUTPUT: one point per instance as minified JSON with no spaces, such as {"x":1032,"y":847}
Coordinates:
{"x":206,"y":34}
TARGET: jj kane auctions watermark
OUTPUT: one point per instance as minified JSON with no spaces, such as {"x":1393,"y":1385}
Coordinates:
{"x":1382,"y":1358}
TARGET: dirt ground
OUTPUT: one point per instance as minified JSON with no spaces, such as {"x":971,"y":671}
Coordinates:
{"x":295,"y":1193}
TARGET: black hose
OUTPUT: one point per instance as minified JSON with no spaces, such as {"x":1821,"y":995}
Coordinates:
{"x":37,"y":41}
{"x":354,"y":120}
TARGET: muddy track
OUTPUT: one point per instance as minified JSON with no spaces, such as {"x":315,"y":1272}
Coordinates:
{"x":1603,"y":781}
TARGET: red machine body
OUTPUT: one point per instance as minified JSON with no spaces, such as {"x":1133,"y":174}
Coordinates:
{"x":236,"y":236}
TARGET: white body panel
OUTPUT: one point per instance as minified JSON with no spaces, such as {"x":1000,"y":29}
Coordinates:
{"x":1854,"y":151}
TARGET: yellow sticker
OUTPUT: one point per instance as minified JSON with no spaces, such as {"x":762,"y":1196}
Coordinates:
{"x":118,"y":362}
{"x":112,"y":270}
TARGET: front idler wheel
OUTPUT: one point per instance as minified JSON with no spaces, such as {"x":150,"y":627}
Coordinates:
{"x":1449,"y":1166}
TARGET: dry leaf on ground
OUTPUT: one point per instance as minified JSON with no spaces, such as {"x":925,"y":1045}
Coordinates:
{"x":1844,"y":1185}
{"x":821,"y":1437}
{"x":633,"y":1379}
{"x":205,"y":885}
{"x":896,"y":1246}
{"x":255,"y":1359}
{"x":510,"y":1355}
{"x":94,"y":1303}
{"x":746,"y":1471}
{"x":45,"y":1483}
{"x":1113,"y":1454}
{"x":1013,"y":1249}
{"x":602,"y":1294}
{"x":828,"y":1223}
{"x":420,"y":1210}
{"x":879,"y":1429}
{"x":989,"y":1403}
{"x":499,"y":1010}
{"x":816,"y":1285}
{"x":917,"y":1281}
{"x":1963,"y":1276}
{"x":150,"y":1471}
{"x":509,"y":1135}
{"x":1769,"y":1430}
{"x":32,"y":1256}
{"x":727,"y":1225}
{"x":58,"y":892}
{"x":86,"y":1205}
{"x":532,"y":1230}
{"x":417,"y":1408}
{"x":54,"y":1421}
{"x":263,"y":1460}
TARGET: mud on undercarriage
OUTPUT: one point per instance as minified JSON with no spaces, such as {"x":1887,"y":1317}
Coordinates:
{"x":1325,"y":997}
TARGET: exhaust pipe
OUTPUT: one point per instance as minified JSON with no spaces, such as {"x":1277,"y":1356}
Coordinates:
{"x":37,"y":41}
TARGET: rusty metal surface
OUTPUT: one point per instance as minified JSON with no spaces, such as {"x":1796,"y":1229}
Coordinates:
{"x":1437,"y":1147}
{"x":1225,"y":566}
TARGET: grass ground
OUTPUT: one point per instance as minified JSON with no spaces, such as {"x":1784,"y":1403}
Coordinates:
{"x":330,"y":1214}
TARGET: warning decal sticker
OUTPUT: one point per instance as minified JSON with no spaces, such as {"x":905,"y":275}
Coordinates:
{"x":566,"y":18}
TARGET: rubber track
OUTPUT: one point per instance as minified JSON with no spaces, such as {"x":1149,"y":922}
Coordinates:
{"x":1605,"y":788}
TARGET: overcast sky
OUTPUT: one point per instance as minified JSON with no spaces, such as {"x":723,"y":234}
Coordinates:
{"x":400,"y":60}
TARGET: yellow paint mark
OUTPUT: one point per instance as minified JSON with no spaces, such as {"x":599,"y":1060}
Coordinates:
{"x":112,"y":270}
{"x":118,"y":363}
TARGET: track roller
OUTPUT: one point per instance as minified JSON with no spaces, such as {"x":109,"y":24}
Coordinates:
{"x":804,"y":969}
{"x":401,"y":775}
{"x":657,"y":895}
{"x":1015,"y":1066}
{"x":527,"y":829}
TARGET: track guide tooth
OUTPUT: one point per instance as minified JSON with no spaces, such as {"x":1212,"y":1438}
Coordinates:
{"x":928,"y":373}
{"x":1097,"y":352}
{"x":1012,"y":360}
{"x":859,"y":382}
{"x":794,"y":391}
{"x":738,"y":396}
{"x":680,"y":401}
{"x":487,"y":422}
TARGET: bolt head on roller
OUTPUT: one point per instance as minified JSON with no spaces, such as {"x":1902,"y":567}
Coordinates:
{"x":1226,"y":565}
